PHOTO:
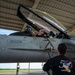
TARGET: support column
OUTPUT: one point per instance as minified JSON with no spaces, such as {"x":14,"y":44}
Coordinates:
{"x":17,"y":70}
{"x":29,"y":67}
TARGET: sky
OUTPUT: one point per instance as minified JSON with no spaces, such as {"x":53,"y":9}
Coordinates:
{"x":22,"y":65}
{"x":6,"y":32}
{"x":13,"y":65}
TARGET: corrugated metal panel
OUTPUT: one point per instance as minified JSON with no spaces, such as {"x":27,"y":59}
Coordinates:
{"x":8,"y":11}
{"x":69,"y":2}
{"x":56,"y":11}
{"x":10,"y":28}
{"x":62,"y":10}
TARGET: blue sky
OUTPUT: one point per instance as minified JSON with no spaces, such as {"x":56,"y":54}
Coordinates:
{"x":6,"y":32}
{"x":13,"y":65}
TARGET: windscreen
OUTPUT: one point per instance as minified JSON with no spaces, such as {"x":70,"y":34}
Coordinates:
{"x":40,"y":22}
{"x":38,"y":19}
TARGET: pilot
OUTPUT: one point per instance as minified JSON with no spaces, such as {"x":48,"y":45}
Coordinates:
{"x":41,"y":33}
{"x":60,"y":65}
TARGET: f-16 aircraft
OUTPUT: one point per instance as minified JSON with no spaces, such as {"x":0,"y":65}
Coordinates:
{"x":27,"y":48}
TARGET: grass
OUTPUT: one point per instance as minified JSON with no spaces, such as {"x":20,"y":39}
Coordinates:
{"x":21,"y":70}
{"x":7,"y":70}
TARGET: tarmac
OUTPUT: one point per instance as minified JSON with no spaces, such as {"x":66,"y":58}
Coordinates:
{"x":38,"y":73}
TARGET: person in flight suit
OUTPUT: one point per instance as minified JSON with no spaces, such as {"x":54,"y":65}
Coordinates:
{"x":41,"y":33}
{"x":60,"y":64}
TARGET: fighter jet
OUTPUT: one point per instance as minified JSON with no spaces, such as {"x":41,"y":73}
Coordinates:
{"x":23,"y":47}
